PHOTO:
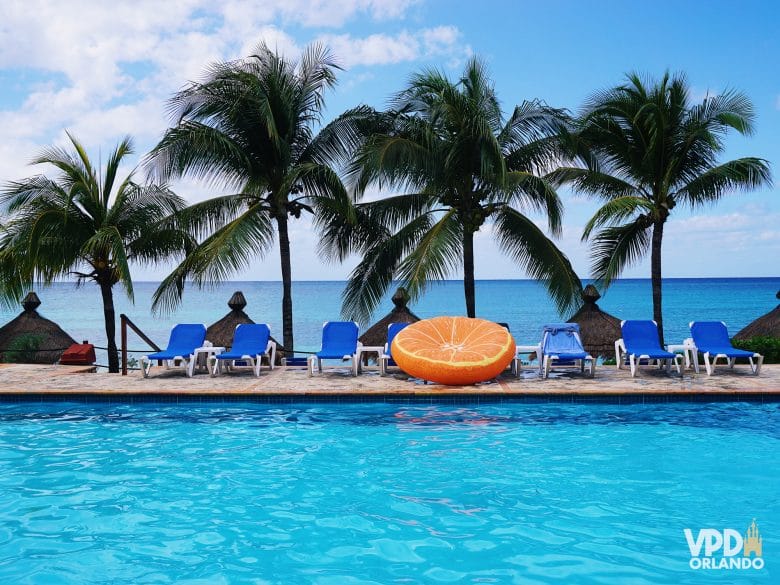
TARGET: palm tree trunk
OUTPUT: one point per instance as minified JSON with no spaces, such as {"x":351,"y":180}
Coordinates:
{"x":468,"y":273}
{"x":110,"y":317}
{"x":655,"y":276}
{"x":287,"y":308}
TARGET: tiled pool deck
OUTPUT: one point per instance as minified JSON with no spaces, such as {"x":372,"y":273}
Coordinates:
{"x":41,"y":383}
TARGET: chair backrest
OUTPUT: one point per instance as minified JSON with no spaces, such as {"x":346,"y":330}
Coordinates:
{"x":640,"y":334}
{"x":710,"y":334}
{"x":392,"y":331}
{"x":251,"y":338}
{"x":340,"y":337}
{"x":561,"y":338}
{"x":187,"y":336}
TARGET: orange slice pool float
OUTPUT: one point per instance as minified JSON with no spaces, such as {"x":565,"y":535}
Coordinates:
{"x":453,"y":350}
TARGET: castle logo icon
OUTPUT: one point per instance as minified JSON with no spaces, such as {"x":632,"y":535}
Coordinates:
{"x":752,"y":542}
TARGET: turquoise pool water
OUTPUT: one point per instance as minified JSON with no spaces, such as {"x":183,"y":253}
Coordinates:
{"x":382,"y":493}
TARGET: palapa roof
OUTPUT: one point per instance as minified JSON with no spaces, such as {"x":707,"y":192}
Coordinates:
{"x":376,"y":335}
{"x":598,"y":329}
{"x":221,"y":333}
{"x":30,"y":331}
{"x":765,"y":326}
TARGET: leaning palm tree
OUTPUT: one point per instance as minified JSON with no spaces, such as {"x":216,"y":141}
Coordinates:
{"x":83,"y":225}
{"x":249,"y":127}
{"x":648,"y":147}
{"x":460,"y":166}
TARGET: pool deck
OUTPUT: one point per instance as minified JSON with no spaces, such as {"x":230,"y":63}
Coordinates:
{"x":20,"y":382}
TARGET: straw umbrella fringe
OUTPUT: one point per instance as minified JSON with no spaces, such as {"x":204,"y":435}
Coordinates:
{"x":221,"y":333}
{"x":765,"y":326}
{"x":376,"y":335}
{"x":32,"y":338}
{"x":598,"y":329}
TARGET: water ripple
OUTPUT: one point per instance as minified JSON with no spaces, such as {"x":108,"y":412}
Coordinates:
{"x":379,"y":494}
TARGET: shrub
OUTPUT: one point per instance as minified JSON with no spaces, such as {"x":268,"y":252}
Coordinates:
{"x":23,"y":349}
{"x":769,"y":347}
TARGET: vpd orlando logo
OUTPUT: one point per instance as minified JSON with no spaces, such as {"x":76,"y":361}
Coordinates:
{"x":720,"y":549}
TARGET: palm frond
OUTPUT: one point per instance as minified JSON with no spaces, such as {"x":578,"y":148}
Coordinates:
{"x":617,"y":247}
{"x":617,"y":211}
{"x":438,"y":253}
{"x":526,"y":244}
{"x":371,"y":278}
{"x":227,"y":251}
{"x":741,"y":174}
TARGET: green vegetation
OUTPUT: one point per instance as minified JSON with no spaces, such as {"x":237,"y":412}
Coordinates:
{"x":84,"y":225}
{"x":454,"y":162}
{"x":769,"y":347}
{"x":647,"y":148}
{"x":250,"y":128}
{"x":23,"y":349}
{"x":462,"y":164}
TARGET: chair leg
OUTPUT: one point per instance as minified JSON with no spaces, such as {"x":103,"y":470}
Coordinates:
{"x":310,"y":365}
{"x":709,"y":367}
{"x":146,"y":366}
{"x":759,"y":363}
{"x":632,"y":365}
{"x":546,"y":367}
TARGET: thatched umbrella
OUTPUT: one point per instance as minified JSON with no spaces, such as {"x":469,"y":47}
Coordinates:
{"x":32,"y":338}
{"x":598,"y":329}
{"x":765,"y":326}
{"x":376,"y":335}
{"x":221,"y":333}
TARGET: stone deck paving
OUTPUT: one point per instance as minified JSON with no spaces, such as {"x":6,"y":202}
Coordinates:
{"x":22,"y":379}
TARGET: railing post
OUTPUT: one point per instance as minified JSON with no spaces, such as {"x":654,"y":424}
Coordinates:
{"x":123,"y":328}
{"x":126,"y":322}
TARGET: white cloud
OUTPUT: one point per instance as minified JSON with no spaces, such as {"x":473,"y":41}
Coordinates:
{"x":384,"y":49}
{"x":104,"y":70}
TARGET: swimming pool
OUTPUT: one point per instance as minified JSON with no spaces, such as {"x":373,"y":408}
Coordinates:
{"x":382,"y":493}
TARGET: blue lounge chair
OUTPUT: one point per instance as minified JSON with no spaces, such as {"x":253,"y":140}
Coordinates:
{"x":712,"y":339}
{"x":251,"y":343}
{"x":562,"y":347}
{"x":185,"y":339}
{"x":339,"y":342}
{"x":386,"y":359}
{"x":640,"y":342}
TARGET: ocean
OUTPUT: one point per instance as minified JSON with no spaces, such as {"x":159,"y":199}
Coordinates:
{"x":523,"y":304}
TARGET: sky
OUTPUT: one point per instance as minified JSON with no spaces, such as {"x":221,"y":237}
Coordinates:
{"x":103,"y":70}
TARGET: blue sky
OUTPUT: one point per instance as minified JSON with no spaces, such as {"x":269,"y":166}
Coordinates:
{"x":104,"y":71}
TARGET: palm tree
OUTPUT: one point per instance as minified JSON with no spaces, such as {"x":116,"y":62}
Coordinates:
{"x":648,"y":147}
{"x":462,"y":165}
{"x":249,"y":127}
{"x":82,"y":225}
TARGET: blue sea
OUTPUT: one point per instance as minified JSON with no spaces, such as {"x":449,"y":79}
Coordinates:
{"x":523,"y":304}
